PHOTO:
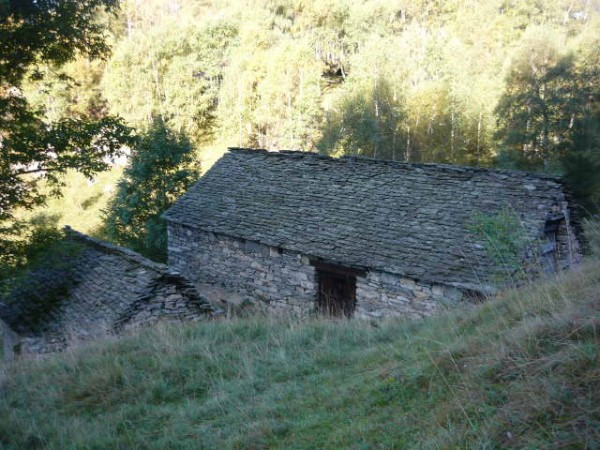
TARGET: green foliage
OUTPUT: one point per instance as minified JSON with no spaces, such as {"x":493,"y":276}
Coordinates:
{"x":82,"y":201}
{"x":487,"y":83}
{"x":32,"y":148}
{"x":171,"y":71}
{"x":73,"y":90}
{"x":520,"y":371}
{"x":51,"y":32}
{"x":582,"y":162}
{"x":42,"y":242}
{"x":533,"y":108}
{"x":162,"y":168}
{"x":23,"y":250}
{"x":367,"y":122}
{"x":503,"y":237}
{"x":581,"y":155}
{"x":270,"y":93}
{"x":80,"y":206}
{"x":421,"y":110}
{"x":548,"y":115}
{"x":403,"y":81}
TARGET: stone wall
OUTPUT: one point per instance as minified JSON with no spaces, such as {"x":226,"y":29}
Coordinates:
{"x":105,"y":289}
{"x":285,"y":281}
{"x":171,"y":298}
{"x":379,"y":294}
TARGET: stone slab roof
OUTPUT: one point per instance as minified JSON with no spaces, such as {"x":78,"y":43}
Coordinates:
{"x":408,"y":219}
{"x":95,"y":290}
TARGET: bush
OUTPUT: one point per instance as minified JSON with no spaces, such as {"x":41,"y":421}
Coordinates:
{"x":504,"y":239}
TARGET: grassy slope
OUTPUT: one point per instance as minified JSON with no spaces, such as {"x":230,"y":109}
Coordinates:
{"x":519,"y":371}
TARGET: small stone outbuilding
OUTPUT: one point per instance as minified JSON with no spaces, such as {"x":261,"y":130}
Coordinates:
{"x":97,"y":289}
{"x":354,"y":236}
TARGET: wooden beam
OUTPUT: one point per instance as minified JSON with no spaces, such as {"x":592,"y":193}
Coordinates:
{"x":338,"y":269}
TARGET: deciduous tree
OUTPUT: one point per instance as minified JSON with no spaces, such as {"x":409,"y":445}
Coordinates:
{"x":36,"y":34}
{"x":162,"y":168}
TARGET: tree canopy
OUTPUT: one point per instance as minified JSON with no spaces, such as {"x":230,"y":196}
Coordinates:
{"x":416,"y":80}
{"x":162,"y":167}
{"x":38,"y":36}
{"x":489,"y":83}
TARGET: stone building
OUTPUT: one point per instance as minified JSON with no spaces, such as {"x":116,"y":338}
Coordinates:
{"x":97,"y":289}
{"x":359,"y":237}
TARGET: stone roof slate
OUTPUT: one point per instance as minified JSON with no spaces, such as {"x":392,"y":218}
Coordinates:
{"x":98,"y":289}
{"x":408,"y":219}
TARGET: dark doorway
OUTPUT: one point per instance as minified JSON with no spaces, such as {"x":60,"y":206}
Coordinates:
{"x":337,"y":290}
{"x":337,"y":294}
{"x":550,"y":248}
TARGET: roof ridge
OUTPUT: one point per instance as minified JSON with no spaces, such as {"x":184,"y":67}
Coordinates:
{"x":427,"y":165}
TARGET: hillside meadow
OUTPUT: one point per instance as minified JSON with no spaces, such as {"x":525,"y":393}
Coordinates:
{"x":517,"y":371}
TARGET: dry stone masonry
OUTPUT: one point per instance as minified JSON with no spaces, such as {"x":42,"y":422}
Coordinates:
{"x":282,"y":279}
{"x":387,"y":238}
{"x":381,"y":294}
{"x":104,"y":289}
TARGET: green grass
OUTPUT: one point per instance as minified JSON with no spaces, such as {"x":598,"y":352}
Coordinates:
{"x":519,"y":371}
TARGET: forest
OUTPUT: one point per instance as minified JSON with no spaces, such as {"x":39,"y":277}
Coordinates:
{"x":493,"y":83}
